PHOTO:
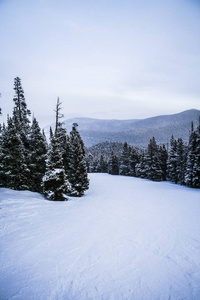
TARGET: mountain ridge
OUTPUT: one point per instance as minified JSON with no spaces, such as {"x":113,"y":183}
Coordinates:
{"x":136,"y":132}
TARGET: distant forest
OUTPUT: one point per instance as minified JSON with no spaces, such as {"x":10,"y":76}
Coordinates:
{"x":179,"y":164}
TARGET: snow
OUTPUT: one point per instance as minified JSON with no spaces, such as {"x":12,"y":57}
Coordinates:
{"x":127,"y":238}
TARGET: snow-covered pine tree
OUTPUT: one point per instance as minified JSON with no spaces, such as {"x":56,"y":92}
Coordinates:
{"x":55,"y":182}
{"x":2,"y":171}
{"x":77,"y":164}
{"x":180,"y":161}
{"x":163,"y":156}
{"x":113,"y":165}
{"x":124,"y":168}
{"x":189,"y":171}
{"x":21,"y":116}
{"x":14,"y":171}
{"x":154,"y":166}
{"x":142,"y":166}
{"x":196,"y":168}
{"x":38,"y":155}
{"x":102,"y":166}
{"x":62,"y":137}
{"x":133,"y":160}
{"x":172,"y":161}
{"x":21,"y":112}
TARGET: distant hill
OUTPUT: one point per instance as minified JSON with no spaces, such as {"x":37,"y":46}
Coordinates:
{"x":136,"y":132}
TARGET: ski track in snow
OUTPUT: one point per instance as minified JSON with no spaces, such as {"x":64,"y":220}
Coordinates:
{"x":127,"y":238}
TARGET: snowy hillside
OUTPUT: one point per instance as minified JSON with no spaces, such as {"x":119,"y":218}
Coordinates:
{"x":127,"y":238}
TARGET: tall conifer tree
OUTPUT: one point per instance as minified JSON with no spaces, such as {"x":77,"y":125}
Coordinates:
{"x":38,"y":155}
{"x":124,"y":168}
{"x":13,"y":159}
{"x":77,"y":164}
{"x":196,"y":168}
{"x":172,"y":161}
{"x":189,"y":172}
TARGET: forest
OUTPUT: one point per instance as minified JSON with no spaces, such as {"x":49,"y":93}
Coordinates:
{"x":60,"y":166}
{"x":177,"y":162}
{"x":29,"y":162}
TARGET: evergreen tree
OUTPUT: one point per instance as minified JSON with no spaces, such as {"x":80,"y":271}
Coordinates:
{"x":154,"y":166}
{"x":163,"y":156}
{"x":172,"y":161}
{"x":196,"y":168}
{"x":142,"y":166}
{"x":62,"y":137}
{"x":192,"y":146}
{"x":14,"y":171}
{"x":21,"y":112}
{"x":124,"y":161}
{"x":113,"y":167}
{"x":38,"y":155}
{"x":77,"y":164}
{"x":180,"y":161}
{"x":102,"y":165}
{"x":133,"y":160}
{"x":2,"y":171}
{"x":21,"y":120}
{"x":55,"y":182}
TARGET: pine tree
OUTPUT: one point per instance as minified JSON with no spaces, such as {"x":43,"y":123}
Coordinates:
{"x":21,"y":120}
{"x":133,"y":160}
{"x":142,"y":166}
{"x":172,"y":161}
{"x":189,"y":172}
{"x":124,"y":168}
{"x":196,"y":168}
{"x":2,"y":171}
{"x":102,"y":165}
{"x":38,"y":155}
{"x":163,"y":156}
{"x":62,"y":137}
{"x":154,"y":166}
{"x":113,"y":166}
{"x":77,"y":164}
{"x":21,"y":112}
{"x":14,"y":171}
{"x":55,"y":182}
{"x":180,"y":161}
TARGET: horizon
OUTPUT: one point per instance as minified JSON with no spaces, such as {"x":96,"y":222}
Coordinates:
{"x":138,"y":119}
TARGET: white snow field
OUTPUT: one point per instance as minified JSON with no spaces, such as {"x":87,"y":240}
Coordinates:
{"x":127,"y":238}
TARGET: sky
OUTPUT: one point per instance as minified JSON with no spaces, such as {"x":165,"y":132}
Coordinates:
{"x":105,"y":59}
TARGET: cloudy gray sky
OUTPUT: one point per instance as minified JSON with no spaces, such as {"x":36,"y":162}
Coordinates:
{"x":119,"y":59}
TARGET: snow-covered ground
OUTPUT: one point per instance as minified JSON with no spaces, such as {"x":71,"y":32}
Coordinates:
{"x":127,"y":238}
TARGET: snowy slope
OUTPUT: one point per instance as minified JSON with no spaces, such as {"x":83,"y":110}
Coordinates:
{"x":127,"y":238}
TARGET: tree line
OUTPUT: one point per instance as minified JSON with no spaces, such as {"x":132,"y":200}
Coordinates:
{"x":29,"y":162}
{"x":179,"y":164}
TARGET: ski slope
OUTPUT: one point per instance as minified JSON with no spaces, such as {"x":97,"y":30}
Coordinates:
{"x":127,"y":238}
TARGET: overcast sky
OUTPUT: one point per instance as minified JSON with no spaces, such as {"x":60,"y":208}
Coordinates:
{"x":119,"y":59}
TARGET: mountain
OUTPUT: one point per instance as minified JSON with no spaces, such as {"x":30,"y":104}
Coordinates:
{"x":136,"y":132}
